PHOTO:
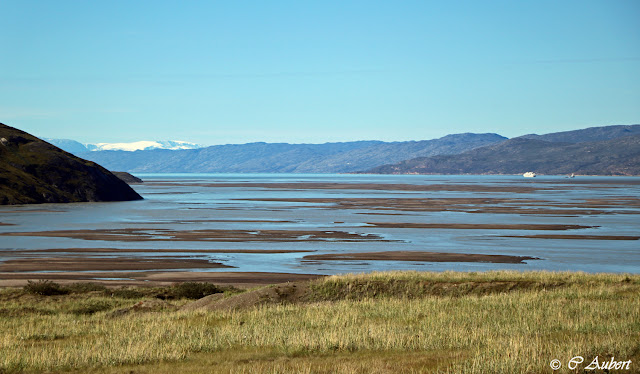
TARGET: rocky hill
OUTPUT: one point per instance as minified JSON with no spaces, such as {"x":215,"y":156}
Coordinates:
{"x":591,"y":134}
{"x":287,"y":158}
{"x":34,"y":171}
{"x":618,"y":156}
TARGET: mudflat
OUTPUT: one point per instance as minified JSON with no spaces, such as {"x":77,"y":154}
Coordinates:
{"x":419,"y":256}
{"x":469,"y":205}
{"x":68,"y":263}
{"x":154,"y":250}
{"x":476,"y":226}
{"x":155,"y":234}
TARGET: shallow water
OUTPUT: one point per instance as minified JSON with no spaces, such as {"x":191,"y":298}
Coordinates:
{"x":186,"y":202}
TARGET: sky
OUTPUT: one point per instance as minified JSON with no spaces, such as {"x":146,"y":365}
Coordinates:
{"x":218,"y":72}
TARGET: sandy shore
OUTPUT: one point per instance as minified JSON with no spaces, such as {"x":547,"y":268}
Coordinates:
{"x":419,"y":256}
{"x":116,"y":279}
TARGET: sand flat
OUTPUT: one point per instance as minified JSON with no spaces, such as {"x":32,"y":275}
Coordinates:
{"x":419,"y":256}
{"x":70,"y":263}
{"x":155,"y":234}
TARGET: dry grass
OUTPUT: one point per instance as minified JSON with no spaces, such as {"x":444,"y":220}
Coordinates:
{"x":373,"y":328}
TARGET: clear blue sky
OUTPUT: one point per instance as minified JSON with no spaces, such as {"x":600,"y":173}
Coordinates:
{"x":219,"y":72}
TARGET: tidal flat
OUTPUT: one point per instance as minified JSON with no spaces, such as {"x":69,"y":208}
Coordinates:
{"x":271,"y":223}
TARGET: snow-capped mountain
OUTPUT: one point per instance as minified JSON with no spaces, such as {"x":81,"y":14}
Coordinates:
{"x":74,"y":147}
{"x":143,"y":145}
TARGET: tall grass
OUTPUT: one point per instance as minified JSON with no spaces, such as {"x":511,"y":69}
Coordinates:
{"x":515,"y":330}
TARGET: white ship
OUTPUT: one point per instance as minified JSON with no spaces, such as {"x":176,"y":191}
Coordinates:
{"x":529,"y":174}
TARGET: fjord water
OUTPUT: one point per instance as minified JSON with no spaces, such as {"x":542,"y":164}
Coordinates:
{"x":186,"y":202}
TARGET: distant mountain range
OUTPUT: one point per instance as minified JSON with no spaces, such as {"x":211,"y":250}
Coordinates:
{"x":610,"y":150}
{"x":75,"y":147}
{"x":286,"y":158}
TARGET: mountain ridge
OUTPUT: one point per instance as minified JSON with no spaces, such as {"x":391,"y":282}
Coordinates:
{"x":76,"y":147}
{"x":616,"y":156}
{"x":262,"y":157}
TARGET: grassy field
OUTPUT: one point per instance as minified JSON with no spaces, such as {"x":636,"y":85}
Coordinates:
{"x":494,"y":322}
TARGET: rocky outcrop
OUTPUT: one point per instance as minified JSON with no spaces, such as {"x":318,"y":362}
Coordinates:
{"x":34,"y":171}
{"x":127,"y":178}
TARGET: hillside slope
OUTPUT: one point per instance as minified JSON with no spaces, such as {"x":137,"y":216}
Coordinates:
{"x":34,"y":171}
{"x":590,"y":134}
{"x":620,"y":156}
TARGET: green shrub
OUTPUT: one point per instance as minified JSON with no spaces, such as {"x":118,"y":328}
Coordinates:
{"x":195,"y":290}
{"x":85,"y":287}
{"x":91,"y":307}
{"x":45,"y":288}
{"x":124,"y":293}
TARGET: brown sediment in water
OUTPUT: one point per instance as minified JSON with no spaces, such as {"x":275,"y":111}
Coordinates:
{"x":154,"y":234}
{"x":6,"y":224}
{"x":104,"y":263}
{"x":477,"y":226}
{"x":468,"y":205}
{"x":584,"y":237}
{"x":32,"y":211}
{"x":147,"y":250}
{"x":364,"y":186}
{"x":419,"y":256}
{"x":190,"y":221}
{"x":115,"y":279}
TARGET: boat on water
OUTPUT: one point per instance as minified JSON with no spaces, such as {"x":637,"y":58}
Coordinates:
{"x":571,"y":176}
{"x":529,"y":174}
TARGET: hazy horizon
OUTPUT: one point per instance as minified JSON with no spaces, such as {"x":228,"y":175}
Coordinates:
{"x":233,"y":73}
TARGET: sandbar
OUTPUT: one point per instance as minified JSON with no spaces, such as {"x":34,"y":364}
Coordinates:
{"x":155,"y":234}
{"x":477,"y":226}
{"x":364,"y":186}
{"x":69,"y":263}
{"x":468,"y":205}
{"x":585,"y":237}
{"x":149,"y":250}
{"x":419,"y":256}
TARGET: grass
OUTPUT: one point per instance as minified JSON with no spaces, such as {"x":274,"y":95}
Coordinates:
{"x":494,"y":322}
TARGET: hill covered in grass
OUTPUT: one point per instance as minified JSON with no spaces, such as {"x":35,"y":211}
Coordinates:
{"x":34,"y":171}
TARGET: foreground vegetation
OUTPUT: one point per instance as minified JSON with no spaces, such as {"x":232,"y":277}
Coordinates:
{"x":494,"y":322}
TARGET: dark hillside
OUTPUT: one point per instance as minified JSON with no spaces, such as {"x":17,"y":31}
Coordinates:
{"x":34,"y":171}
{"x":620,"y":156}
